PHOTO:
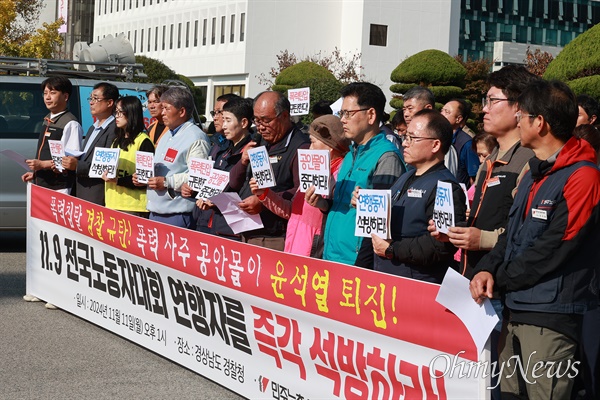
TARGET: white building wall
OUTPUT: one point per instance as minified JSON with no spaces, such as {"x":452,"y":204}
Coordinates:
{"x":303,"y":27}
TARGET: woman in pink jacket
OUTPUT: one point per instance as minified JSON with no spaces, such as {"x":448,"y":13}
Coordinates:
{"x":305,"y":222}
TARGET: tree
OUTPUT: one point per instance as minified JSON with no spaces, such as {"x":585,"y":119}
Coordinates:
{"x":433,"y":69}
{"x":18,"y":36}
{"x":158,"y":72}
{"x":345,"y":67}
{"x":475,"y":87}
{"x":578,"y":64}
{"x":536,"y":62}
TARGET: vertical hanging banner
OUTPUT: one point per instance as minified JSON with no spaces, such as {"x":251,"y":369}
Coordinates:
{"x":262,"y":323}
{"x":299,"y":101}
{"x":63,"y":12}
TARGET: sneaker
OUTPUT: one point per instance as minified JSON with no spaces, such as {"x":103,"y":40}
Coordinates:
{"x":51,"y":306}
{"x":29,"y":297}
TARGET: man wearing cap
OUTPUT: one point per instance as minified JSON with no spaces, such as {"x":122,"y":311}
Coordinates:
{"x":304,"y":230}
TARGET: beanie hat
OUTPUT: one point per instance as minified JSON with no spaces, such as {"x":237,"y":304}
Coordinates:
{"x":329,"y":130}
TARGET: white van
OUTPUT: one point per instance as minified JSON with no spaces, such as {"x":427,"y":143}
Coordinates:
{"x":22,"y":111}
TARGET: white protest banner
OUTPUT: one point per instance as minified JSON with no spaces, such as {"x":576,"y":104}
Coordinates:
{"x":57,"y":152}
{"x":199,"y":172}
{"x":299,"y":101}
{"x":313,"y":167}
{"x":443,"y":210}
{"x":262,"y":323}
{"x":105,"y":159}
{"x":215,"y":184}
{"x":373,"y":210}
{"x":144,"y":166}
{"x":262,"y":170}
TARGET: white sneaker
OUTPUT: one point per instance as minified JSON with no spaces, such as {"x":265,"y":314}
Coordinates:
{"x":31,"y":298}
{"x":51,"y":306}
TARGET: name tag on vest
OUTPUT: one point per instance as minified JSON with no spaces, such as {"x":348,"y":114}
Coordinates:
{"x":495,"y":181}
{"x":414,"y":193}
{"x":171,"y":154}
{"x":539,"y":214}
{"x":273,"y":159}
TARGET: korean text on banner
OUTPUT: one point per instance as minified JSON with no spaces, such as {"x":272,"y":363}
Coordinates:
{"x":105,"y":159}
{"x":373,"y":209}
{"x":262,"y":170}
{"x":313,"y":167}
{"x":443,"y":210}
{"x":299,"y":101}
{"x":144,"y":166}
{"x":257,"y":321}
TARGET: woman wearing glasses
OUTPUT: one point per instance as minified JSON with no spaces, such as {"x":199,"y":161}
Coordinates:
{"x":120,"y":192}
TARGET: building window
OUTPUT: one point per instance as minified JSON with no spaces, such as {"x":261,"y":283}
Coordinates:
{"x":204,"y":31}
{"x":164,"y":35}
{"x":111,"y":5}
{"x":222,"y":29}
{"x":105,"y":4}
{"x":171,"y":36}
{"x":149,"y":29}
{"x":239,"y":90}
{"x":141,"y":40}
{"x":130,"y":4}
{"x":135,"y":41}
{"x":117,"y":5}
{"x":156,"y":39}
{"x":378,"y":36}
{"x":187,"y":34}
{"x":214,"y":31}
{"x":196,"y":33}
{"x":232,"y":29}
{"x":242,"y":26}
{"x":179,"y":36}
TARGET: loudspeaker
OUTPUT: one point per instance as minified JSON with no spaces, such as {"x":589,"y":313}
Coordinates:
{"x":109,"y":49}
{"x":77,"y":56}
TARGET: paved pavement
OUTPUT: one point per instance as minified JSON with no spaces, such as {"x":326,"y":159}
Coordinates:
{"x":48,"y":354}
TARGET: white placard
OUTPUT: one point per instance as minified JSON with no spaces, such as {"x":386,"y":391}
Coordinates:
{"x":313,"y":167}
{"x":443,"y":210}
{"x":299,"y":101}
{"x":105,"y":159}
{"x":144,"y":166}
{"x":261,"y":167}
{"x":57,"y":151}
{"x":199,"y":172}
{"x":216,"y":183}
{"x":373,"y":213}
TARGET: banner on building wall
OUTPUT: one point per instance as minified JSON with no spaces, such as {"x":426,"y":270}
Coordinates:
{"x":264,"y":324}
{"x":63,"y":12}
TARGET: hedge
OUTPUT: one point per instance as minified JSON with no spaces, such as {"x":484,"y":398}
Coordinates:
{"x":430,"y":67}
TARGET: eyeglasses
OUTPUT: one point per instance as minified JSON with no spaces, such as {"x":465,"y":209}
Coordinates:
{"x":215,"y":113}
{"x":119,"y":112}
{"x":94,"y":100}
{"x":490,"y":101}
{"x":519,"y":115}
{"x":350,"y":113}
{"x":410,"y":139}
{"x":264,"y":121}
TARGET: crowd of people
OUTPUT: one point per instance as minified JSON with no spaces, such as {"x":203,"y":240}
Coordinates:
{"x":527,"y":217}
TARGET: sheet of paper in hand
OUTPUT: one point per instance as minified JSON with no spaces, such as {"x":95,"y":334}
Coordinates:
{"x":199,"y":172}
{"x":144,"y":166}
{"x":216,"y":183}
{"x":373,"y":213}
{"x":313,"y":167}
{"x":262,"y":170}
{"x":443,"y":210}
{"x":105,"y":159}
{"x":57,"y":151}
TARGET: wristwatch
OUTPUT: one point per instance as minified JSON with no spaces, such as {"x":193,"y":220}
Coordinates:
{"x":389,"y":252}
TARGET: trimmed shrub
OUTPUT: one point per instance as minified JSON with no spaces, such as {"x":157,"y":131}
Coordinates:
{"x":402,"y":87}
{"x":579,"y":58}
{"x":430,"y":67}
{"x":444,"y":93}
{"x":589,"y":85}
{"x":301,"y":72}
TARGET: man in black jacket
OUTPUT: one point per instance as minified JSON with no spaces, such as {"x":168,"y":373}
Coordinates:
{"x":102,"y":106}
{"x":282,"y":139}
